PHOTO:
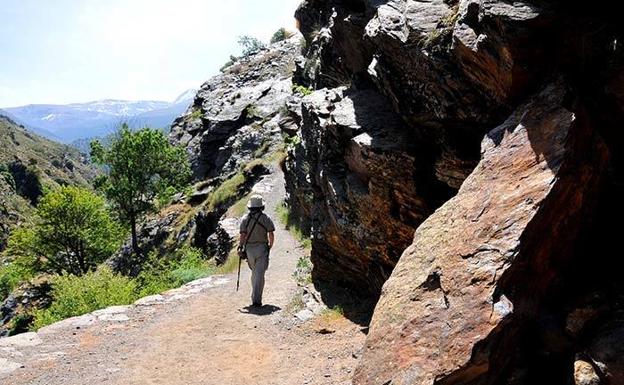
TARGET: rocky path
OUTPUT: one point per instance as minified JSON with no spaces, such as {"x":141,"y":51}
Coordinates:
{"x":202,"y":333}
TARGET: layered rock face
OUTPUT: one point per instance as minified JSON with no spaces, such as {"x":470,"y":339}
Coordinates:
{"x":510,"y":280}
{"x":456,"y":294}
{"x":367,"y":189}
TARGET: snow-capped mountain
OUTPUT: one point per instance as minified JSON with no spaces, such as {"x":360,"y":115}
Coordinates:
{"x":74,"y":121}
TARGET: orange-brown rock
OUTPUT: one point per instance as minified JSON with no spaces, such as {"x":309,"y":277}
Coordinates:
{"x":480,"y":264}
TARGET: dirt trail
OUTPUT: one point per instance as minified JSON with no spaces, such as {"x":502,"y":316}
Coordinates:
{"x":200,"y":334}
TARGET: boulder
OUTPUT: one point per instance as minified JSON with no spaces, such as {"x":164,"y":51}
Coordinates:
{"x":235,"y":115}
{"x":479,"y":267}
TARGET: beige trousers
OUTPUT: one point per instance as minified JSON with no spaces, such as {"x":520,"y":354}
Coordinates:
{"x":258,"y":261}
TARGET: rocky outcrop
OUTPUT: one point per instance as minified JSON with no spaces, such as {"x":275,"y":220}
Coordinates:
{"x":362,"y":207}
{"x":236,"y":116}
{"x":480,"y":266}
{"x":509,"y":281}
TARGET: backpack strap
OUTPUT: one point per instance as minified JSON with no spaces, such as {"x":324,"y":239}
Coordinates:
{"x":252,"y":229}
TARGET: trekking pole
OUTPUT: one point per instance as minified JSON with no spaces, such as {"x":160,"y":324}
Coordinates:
{"x":238,"y":279}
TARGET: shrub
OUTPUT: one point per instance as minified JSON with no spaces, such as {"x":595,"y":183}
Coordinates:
{"x":74,"y":296}
{"x":302,"y":90}
{"x":12,"y":274}
{"x":281,"y":34}
{"x":190,"y":267}
{"x":72,"y":232}
{"x":161,"y":274}
{"x":227,"y":64}
{"x":196,"y":114}
{"x":250,"y":45}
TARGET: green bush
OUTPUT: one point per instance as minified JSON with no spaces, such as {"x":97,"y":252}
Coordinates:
{"x":227,"y":64}
{"x":302,"y":90}
{"x":250,"y":45}
{"x":191,"y":267}
{"x":72,"y":232}
{"x":74,"y":296}
{"x":161,"y":274}
{"x":281,"y":34}
{"x":12,"y":274}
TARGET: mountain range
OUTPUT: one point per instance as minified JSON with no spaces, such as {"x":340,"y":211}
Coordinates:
{"x":71,"y":122}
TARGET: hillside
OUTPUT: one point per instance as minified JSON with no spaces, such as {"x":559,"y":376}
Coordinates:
{"x":29,"y":164}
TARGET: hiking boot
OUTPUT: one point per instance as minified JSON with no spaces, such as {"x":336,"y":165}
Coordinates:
{"x":256,"y":304}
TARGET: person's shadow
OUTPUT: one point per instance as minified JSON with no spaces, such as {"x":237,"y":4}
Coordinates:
{"x":260,"y":310}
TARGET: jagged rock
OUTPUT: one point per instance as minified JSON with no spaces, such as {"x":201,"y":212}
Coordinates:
{"x":219,"y":244}
{"x":478,"y":267}
{"x":363,"y":209}
{"x":584,"y":373}
{"x":16,"y":310}
{"x":235,"y":115}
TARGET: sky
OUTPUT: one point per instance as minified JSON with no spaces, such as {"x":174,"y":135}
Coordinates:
{"x":64,"y":51}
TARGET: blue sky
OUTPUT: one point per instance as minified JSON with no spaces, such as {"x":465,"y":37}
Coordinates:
{"x":65,"y":51}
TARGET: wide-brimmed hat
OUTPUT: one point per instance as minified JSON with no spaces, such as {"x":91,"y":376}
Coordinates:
{"x":255,"y":202}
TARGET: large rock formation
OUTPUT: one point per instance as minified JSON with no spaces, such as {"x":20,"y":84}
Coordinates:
{"x":235,"y":116}
{"x":511,"y":280}
{"x":480,"y":266}
{"x":363,"y":208}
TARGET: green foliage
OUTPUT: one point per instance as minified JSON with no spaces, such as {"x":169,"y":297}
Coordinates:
{"x":252,"y":111}
{"x":141,"y":165}
{"x":72,"y":231}
{"x":73,"y":296}
{"x":303,"y":272}
{"x":161,"y":274}
{"x":7,"y":176}
{"x":250,"y":45}
{"x":196,"y":114}
{"x":164,"y":197}
{"x":281,"y":34}
{"x":302,"y":90}
{"x":292,"y":224}
{"x":191,"y":266}
{"x":12,"y":274}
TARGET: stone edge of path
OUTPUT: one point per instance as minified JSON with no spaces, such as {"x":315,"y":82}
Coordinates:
{"x":9,"y":345}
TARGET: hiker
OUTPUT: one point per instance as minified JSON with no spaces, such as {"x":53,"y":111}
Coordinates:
{"x":256,"y":240}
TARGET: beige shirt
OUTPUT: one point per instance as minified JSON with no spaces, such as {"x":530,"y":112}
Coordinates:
{"x":263,"y":227}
